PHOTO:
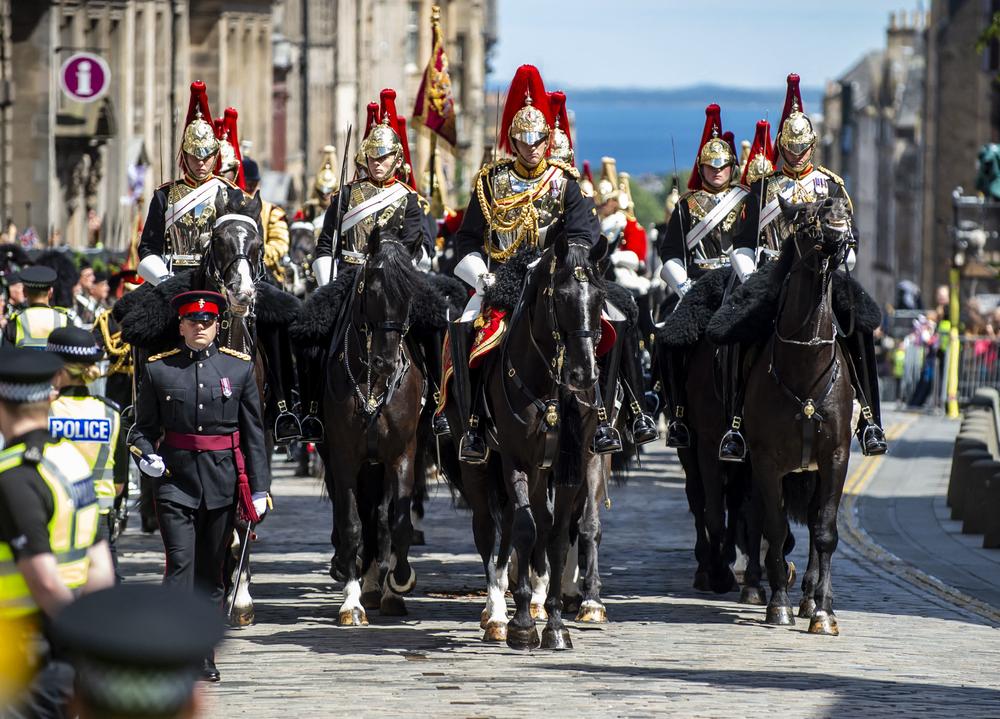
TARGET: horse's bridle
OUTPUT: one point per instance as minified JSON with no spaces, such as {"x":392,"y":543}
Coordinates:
{"x":219,"y":276}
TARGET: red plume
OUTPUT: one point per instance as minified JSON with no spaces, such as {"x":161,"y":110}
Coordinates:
{"x":586,"y":171}
{"x":373,"y":118}
{"x":792,"y":95}
{"x":557,"y":101}
{"x":405,"y":142}
{"x":199,"y":100}
{"x":713,"y":125}
{"x":234,"y":139}
{"x":388,"y":107}
{"x":219,"y":124}
{"x":731,"y":139}
{"x":761,"y":146}
{"x":527,"y":81}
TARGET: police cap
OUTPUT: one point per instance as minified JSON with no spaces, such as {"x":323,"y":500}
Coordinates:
{"x":75,"y":345}
{"x":138,"y":648}
{"x":26,"y":375}
{"x":38,"y":277}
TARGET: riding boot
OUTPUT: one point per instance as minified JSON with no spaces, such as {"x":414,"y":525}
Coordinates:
{"x":607,"y":440}
{"x":472,"y":448}
{"x":643,"y":426}
{"x":864,"y":377}
{"x":278,"y":355}
{"x":310,"y":367}
{"x":733,"y":447}
{"x":678,"y":435}
{"x":433,"y":366}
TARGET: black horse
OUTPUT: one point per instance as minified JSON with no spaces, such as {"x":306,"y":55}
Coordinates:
{"x":372,"y":404}
{"x":299,"y":278}
{"x":798,"y":414}
{"x":540,"y":393}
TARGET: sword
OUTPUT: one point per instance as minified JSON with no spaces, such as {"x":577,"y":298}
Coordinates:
{"x":243,"y":555}
{"x":340,"y":198}
{"x":680,"y":219}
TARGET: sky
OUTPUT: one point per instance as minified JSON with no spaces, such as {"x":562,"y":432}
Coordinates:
{"x":679,"y":43}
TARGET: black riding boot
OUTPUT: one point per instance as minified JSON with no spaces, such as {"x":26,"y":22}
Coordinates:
{"x":643,"y":426}
{"x":310,"y":367}
{"x":431,"y":346}
{"x":472,"y":447}
{"x":864,"y":376}
{"x":733,"y":447}
{"x":678,"y":435}
{"x":280,"y":373}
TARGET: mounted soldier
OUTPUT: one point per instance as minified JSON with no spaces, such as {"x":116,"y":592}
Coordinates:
{"x":699,"y":234}
{"x":798,"y":181}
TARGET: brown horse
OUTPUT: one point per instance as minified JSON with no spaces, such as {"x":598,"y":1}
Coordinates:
{"x":798,"y":412}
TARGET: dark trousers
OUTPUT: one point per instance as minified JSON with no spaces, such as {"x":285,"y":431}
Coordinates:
{"x":196,"y":542}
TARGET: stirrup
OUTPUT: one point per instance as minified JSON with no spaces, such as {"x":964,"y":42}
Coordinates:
{"x":440,"y":425}
{"x":678,"y":435}
{"x":643,"y":427}
{"x":286,"y":425}
{"x":312,"y":426}
{"x":607,"y":440}
{"x":872,"y":440}
{"x":732,"y":448}
{"x":472,"y":449}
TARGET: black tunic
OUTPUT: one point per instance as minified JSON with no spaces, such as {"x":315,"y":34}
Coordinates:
{"x":413,"y":237}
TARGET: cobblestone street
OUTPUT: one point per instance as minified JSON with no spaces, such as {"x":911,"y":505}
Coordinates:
{"x":906,"y":648}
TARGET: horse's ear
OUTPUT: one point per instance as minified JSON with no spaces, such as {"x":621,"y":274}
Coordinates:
{"x":374,"y":240}
{"x":788,"y":209}
{"x":599,"y":251}
{"x":221,"y":202}
{"x":254,"y":205}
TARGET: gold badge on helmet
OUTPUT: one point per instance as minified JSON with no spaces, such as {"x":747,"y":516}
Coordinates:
{"x":797,"y":134}
{"x":199,"y":138}
{"x":716,"y":152}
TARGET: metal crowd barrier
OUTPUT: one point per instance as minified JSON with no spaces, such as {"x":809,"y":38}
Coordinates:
{"x":924,"y":383}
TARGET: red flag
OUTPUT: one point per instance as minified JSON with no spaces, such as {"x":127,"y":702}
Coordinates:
{"x":435,"y":105}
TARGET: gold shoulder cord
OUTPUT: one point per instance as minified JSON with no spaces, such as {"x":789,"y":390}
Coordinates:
{"x":514,"y":214}
{"x":120,"y":351}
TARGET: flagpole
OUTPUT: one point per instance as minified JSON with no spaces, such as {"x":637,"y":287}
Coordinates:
{"x":433,"y":170}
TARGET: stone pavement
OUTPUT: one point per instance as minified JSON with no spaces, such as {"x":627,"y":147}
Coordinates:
{"x":668,"y":651}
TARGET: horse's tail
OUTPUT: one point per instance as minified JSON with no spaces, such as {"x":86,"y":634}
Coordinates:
{"x":799,"y":489}
{"x":569,"y":463}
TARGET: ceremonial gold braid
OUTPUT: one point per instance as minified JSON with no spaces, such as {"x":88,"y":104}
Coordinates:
{"x":120,"y":351}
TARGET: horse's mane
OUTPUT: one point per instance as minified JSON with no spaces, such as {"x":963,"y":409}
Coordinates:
{"x":402,"y":280}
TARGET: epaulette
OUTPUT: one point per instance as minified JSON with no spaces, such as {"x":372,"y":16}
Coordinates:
{"x":160,"y":356}
{"x":165,"y":185}
{"x":565,"y":167}
{"x":424,"y":204}
{"x":235,"y":353}
{"x":494,"y":165}
{"x":407,"y":185}
{"x":832,"y":175}
{"x":229,"y":182}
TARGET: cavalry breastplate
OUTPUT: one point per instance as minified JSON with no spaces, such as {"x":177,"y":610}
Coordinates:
{"x":356,"y":238}
{"x":699,"y":203}
{"x":521,"y":210}
{"x":189,"y":235}
{"x":816,"y":186}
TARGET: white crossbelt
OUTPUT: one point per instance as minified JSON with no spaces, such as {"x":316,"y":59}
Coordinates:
{"x":708,"y":223}
{"x":370,"y":207}
{"x":199,"y":194}
{"x":772,"y":209}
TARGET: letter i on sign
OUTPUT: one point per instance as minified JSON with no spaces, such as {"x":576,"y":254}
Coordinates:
{"x":83,"y":79}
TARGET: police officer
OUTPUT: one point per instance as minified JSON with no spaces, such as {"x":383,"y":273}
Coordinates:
{"x":31,"y":326}
{"x":91,"y":421}
{"x":129,"y":666}
{"x":203,"y":400}
{"x":48,"y":526}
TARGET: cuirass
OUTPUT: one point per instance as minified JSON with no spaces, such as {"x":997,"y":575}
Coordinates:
{"x":356,"y":239}
{"x":699,"y":203}
{"x":188,"y":237}
{"x":795,"y":192}
{"x":548,"y":205}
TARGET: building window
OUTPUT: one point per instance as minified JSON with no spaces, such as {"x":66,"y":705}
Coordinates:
{"x":412,"y":35}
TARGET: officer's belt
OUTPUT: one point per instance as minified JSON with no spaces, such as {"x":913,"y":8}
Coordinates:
{"x":708,"y":223}
{"x":210,"y":443}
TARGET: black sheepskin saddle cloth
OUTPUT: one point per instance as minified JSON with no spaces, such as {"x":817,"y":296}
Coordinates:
{"x":437,"y":299}
{"x":686,"y":325}
{"x":148,"y":321}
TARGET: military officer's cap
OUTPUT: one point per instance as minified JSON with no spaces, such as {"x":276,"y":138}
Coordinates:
{"x":38,"y":277}
{"x":138,"y":648}
{"x":26,"y":375}
{"x":199,"y":305}
{"x":74,"y":345}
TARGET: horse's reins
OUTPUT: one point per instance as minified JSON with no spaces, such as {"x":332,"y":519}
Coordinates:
{"x":245,"y":314}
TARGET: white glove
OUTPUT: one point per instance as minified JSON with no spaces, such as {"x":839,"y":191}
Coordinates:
{"x":674,"y":273}
{"x":153,"y":465}
{"x":323,"y":269}
{"x":261,"y":503}
{"x":471,"y":269}
{"x":153,"y":269}
{"x":744,"y":261}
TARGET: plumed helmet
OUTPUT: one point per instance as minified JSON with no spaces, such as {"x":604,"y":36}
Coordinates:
{"x":326,"y":178}
{"x":199,"y":136}
{"x":562,"y":142}
{"x":587,"y":180}
{"x":608,"y":186}
{"x":760,"y":160}
{"x":526,"y":114}
{"x":715,"y":150}
{"x":795,"y":133}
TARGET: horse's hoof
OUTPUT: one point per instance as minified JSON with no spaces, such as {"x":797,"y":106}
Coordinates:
{"x":538,"y":612}
{"x":592,"y":613}
{"x":242,"y":617}
{"x":807,"y":607}
{"x":791,"y":575}
{"x":518,"y":638}
{"x":755,"y":596}
{"x":353,"y":618}
{"x":406,"y":587}
{"x":701,"y":581}
{"x":571,"y":603}
{"x":418,"y":539}
{"x":779,"y":615}
{"x":556,"y":639}
{"x":392,"y":605}
{"x":495,"y":632}
{"x":484,"y":619}
{"x":371,"y":599}
{"x":824,"y":623}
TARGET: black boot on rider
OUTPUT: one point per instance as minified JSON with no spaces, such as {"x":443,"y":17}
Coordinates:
{"x":472,"y":447}
{"x":733,"y":448}
{"x":432,"y":357}
{"x":278,"y":358}
{"x":310,"y":370}
{"x":678,"y":435}
{"x":643,"y":426}
{"x":606,"y":437}
{"x":869,"y":431}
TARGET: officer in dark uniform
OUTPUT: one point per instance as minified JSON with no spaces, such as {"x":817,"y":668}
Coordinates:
{"x":129,"y":666}
{"x":31,"y":326}
{"x":48,"y":525}
{"x":199,"y":431}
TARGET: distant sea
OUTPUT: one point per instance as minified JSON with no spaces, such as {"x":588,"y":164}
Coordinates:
{"x":635,"y":126}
